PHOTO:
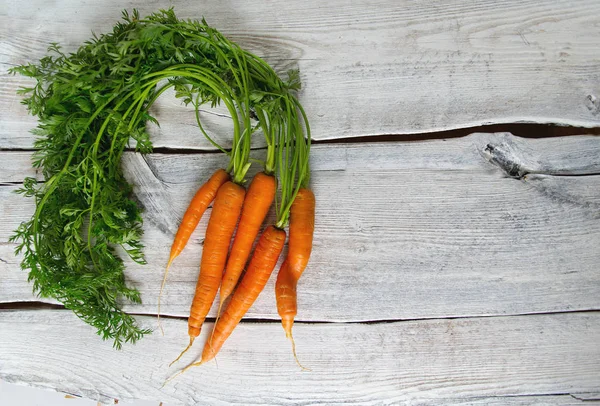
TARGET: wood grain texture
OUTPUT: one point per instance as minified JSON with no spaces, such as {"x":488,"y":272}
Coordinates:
{"x":489,"y":224}
{"x":416,"y":362}
{"x":383,"y":67}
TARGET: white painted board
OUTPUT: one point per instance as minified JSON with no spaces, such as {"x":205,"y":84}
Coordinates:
{"x":367,"y":68}
{"x":415,"y":362}
{"x":403,"y":230}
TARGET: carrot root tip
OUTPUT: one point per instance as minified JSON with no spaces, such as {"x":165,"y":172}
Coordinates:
{"x":180,"y":372}
{"x":184,"y":351}
{"x":296,"y":356}
{"x":194,"y":364}
{"x":162,"y":286}
{"x":287,"y":324}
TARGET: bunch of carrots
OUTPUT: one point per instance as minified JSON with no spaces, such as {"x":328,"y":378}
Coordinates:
{"x":91,"y":103}
{"x":240,"y":210}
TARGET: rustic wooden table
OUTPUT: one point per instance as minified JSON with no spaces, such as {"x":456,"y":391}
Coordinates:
{"x":445,"y":271}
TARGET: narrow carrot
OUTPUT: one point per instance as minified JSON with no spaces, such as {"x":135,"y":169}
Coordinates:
{"x":285,"y":294}
{"x":302,"y":225}
{"x":200,"y":202}
{"x":259,"y":197}
{"x":223,"y":219}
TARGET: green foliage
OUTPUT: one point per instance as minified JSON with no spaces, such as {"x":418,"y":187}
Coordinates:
{"x":90,"y":105}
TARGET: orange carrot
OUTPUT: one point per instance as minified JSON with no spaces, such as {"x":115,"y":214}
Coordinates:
{"x":259,"y":198}
{"x":223,"y":219}
{"x":302,"y":225}
{"x":285,"y":293}
{"x":200,"y":202}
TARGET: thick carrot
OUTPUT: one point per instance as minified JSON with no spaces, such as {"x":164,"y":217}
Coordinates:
{"x":200,"y":202}
{"x":223,"y":219}
{"x":261,"y":266}
{"x":302,"y":227}
{"x":259,"y":198}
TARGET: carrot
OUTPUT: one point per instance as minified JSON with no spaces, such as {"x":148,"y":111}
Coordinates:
{"x":261,"y":266}
{"x":259,"y":198}
{"x":200,"y":202}
{"x":302,"y":225}
{"x":285,"y":294}
{"x":223,"y":219}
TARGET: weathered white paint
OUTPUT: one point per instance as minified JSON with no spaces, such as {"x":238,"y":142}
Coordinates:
{"x":403,"y":230}
{"x":21,"y":395}
{"x":416,"y":362}
{"x":367,"y":68}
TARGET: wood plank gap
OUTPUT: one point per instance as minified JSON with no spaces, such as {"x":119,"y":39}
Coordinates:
{"x":30,"y":305}
{"x":38,"y":305}
{"x":577,"y":396}
{"x":17,"y":149}
{"x":523,"y":130}
{"x":482,"y":316}
{"x":185,"y":151}
{"x":586,"y":397}
{"x":566,"y":175}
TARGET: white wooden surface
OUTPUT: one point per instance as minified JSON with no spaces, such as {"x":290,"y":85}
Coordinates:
{"x":417,"y":224}
{"x":459,"y":271}
{"x":368,"y":67}
{"x":413,"y":362}
{"x":22,"y":395}
{"x":440,"y":231}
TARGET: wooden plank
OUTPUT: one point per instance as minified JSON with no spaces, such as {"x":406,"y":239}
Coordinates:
{"x":16,"y":166}
{"x":9,"y":392}
{"x":384,"y":68}
{"x":387,"y":363}
{"x":552,"y":156}
{"x":432,"y":229}
{"x":529,"y":400}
